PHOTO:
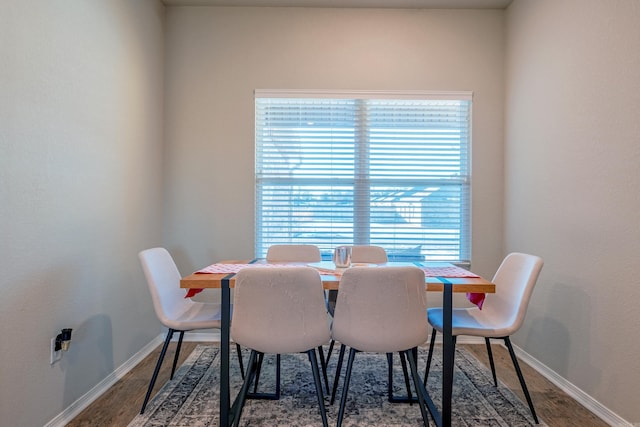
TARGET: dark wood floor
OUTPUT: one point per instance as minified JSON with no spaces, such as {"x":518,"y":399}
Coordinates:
{"x":552,"y":405}
{"x":121,"y":403}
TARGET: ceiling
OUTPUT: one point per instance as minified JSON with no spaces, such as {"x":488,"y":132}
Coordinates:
{"x":390,"y":4}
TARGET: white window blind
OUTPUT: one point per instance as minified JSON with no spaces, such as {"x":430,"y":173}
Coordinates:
{"x":388,"y":169}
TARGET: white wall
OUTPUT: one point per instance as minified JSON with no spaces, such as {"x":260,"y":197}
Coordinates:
{"x":572,"y":176}
{"x":81,"y":96}
{"x":216,"y":57}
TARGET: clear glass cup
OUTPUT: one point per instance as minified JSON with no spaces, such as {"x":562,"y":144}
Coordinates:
{"x":342,"y":256}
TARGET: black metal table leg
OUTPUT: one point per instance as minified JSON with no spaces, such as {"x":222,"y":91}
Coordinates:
{"x":447,"y":352}
{"x":442,"y":418}
{"x":225,"y":400}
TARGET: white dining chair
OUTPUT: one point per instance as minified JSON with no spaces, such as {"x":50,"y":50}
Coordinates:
{"x":177,"y":313}
{"x":381,"y":309}
{"x":286,"y":253}
{"x":367,"y":254}
{"x":360,"y":254}
{"x":502,"y":313}
{"x":293,"y":253}
{"x":279,"y":310}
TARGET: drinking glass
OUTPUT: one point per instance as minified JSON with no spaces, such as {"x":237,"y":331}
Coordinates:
{"x":342,"y":256}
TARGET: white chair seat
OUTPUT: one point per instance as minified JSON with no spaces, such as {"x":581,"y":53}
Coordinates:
{"x":197,"y":315}
{"x":470,"y":321}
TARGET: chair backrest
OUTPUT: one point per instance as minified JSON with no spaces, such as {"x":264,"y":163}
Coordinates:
{"x":381,"y":309}
{"x":279,"y":309}
{"x":163,"y":279}
{"x":368,"y":254}
{"x":515,"y":279}
{"x":293,"y":253}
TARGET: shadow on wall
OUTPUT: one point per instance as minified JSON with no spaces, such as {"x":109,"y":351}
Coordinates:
{"x":90,"y":360}
{"x":566,"y":348}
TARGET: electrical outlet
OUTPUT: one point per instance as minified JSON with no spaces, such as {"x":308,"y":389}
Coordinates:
{"x":55,"y":355}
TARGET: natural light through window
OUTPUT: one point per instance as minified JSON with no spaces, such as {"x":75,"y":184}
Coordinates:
{"x":382,"y":168}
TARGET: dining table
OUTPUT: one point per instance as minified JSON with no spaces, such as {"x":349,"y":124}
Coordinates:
{"x":439,"y":277}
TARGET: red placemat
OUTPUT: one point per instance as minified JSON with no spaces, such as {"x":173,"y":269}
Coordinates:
{"x":229,"y":269}
{"x":452,"y":271}
{"x":476,"y":298}
{"x":234,"y":268}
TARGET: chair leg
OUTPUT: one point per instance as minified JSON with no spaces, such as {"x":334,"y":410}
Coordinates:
{"x":338,"y":369}
{"x":430,"y":356}
{"x":516,"y":365}
{"x":331,"y":344}
{"x":411,"y":356}
{"x":277,"y":376}
{"x":391,"y":398}
{"x":242,"y":395}
{"x":265,"y":396}
{"x":345,"y":388}
{"x":240,"y":361}
{"x":175,"y":358}
{"x":403,"y":362}
{"x":323,"y":364}
{"x":157,"y":369}
{"x":316,"y":379}
{"x":330,"y":300}
{"x":493,"y":366}
{"x":258,"y":370}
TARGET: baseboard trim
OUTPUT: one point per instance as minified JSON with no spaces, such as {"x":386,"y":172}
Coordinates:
{"x":92,"y":395}
{"x":597,"y":408}
{"x":88,"y":398}
{"x":202,"y":336}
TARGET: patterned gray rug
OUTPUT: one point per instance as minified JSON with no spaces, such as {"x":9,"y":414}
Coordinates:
{"x":191,"y":398}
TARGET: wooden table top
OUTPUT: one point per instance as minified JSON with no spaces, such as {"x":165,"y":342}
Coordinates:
{"x":332,"y":281}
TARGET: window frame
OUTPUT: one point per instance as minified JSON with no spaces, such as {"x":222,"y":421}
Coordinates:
{"x":360,"y":236}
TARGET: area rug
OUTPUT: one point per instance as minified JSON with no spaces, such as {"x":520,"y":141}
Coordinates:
{"x":191,"y":398}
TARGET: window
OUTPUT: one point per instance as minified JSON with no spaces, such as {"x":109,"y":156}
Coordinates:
{"x":382,"y":168}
